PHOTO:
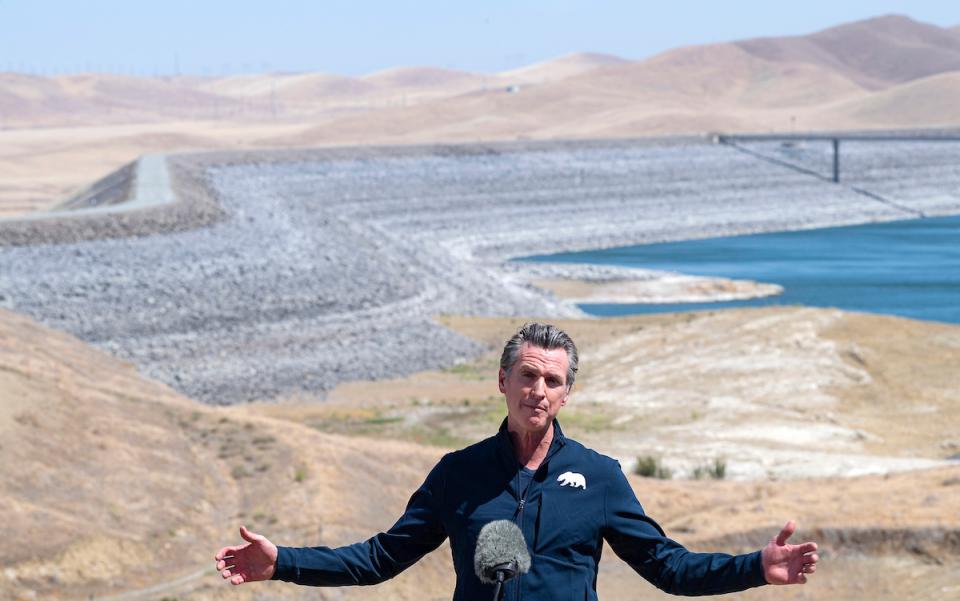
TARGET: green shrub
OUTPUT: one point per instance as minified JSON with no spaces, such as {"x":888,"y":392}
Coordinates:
{"x":649,"y":466}
{"x":717,"y":471}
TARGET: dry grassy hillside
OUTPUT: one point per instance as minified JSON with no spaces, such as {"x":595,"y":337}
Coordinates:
{"x":295,"y":89}
{"x":422,"y":77}
{"x":829,"y":79}
{"x":561,"y":68}
{"x":928,"y":102}
{"x":726,"y":74}
{"x":874,"y":52}
{"x":113,"y":484}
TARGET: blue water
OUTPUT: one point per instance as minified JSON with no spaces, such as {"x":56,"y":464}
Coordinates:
{"x":907,"y":268}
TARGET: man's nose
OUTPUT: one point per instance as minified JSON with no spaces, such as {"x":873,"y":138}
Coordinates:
{"x":539,"y":387}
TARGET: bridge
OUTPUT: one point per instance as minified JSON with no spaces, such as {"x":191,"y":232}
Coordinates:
{"x":835,"y":139}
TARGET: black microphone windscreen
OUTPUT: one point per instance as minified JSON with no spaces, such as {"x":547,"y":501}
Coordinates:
{"x":500,"y":542}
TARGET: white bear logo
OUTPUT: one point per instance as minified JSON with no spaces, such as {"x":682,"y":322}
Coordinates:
{"x":572,"y":479}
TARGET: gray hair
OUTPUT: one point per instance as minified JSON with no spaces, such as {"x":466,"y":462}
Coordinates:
{"x":543,"y":336}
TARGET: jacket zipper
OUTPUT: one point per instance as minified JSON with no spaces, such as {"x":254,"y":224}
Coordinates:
{"x":523,"y":501}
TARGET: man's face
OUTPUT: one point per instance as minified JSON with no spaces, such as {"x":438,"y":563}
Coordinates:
{"x":535,"y":389}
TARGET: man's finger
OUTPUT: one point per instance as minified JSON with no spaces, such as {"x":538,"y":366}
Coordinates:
{"x":238,"y":579}
{"x":808,"y":548}
{"x":802,"y":579}
{"x":222,"y":553}
{"x":811,"y":558}
{"x":788,"y":529}
{"x":249,"y":536}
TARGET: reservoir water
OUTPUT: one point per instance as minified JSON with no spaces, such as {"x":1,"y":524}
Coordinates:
{"x":906,"y":268}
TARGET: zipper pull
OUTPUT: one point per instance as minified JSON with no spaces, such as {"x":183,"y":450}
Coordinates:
{"x":522,"y":501}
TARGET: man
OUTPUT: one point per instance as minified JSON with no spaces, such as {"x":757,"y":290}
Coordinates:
{"x":565,"y":498}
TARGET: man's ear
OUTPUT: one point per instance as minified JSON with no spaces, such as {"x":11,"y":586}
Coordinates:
{"x":502,"y":381}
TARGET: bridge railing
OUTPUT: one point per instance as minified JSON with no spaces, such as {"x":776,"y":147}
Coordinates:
{"x":836,"y":138}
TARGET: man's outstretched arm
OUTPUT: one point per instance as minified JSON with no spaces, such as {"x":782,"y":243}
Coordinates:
{"x":640,"y":542}
{"x":418,"y":531}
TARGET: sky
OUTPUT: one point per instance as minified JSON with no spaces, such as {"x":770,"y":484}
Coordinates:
{"x":219,"y":37}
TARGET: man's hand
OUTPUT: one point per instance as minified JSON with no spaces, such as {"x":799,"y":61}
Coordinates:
{"x":257,"y":560}
{"x":788,"y":564}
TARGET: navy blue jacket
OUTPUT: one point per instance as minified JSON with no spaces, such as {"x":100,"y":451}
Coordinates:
{"x":564,"y":525}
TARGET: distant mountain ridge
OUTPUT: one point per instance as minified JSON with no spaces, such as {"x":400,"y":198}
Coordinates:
{"x":826,"y":79}
{"x":876,"y":52}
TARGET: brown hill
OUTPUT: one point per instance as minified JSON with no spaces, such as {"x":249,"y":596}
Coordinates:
{"x":28,"y":99}
{"x":408,"y":86}
{"x":170,"y":97}
{"x":560,"y":68}
{"x":684,"y":91}
{"x":857,"y":75}
{"x":721,"y":74}
{"x":928,"y":102}
{"x":299,"y":87}
{"x":874,"y":53}
{"x":422,"y":77}
{"x":110,"y":483}
{"x":101,"y":98}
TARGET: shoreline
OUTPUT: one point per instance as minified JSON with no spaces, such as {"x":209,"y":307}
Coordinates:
{"x":668,"y":288}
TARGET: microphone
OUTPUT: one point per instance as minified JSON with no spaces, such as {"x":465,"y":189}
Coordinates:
{"x":501,"y":554}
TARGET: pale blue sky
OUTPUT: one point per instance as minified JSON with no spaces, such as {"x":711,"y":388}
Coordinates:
{"x":352,"y":38}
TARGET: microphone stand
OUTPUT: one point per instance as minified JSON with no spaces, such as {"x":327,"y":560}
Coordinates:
{"x":504,"y":572}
